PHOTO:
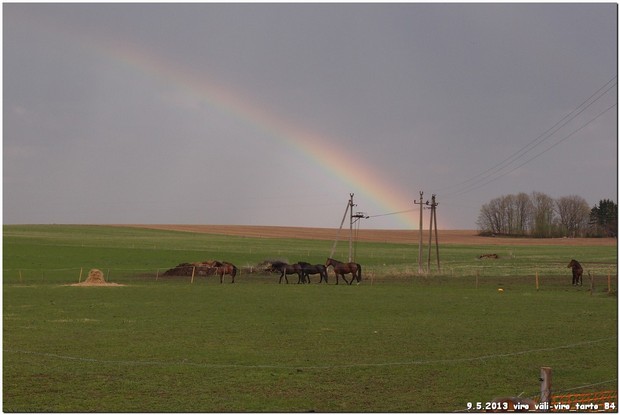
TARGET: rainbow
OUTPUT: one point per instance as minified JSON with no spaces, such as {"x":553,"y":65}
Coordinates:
{"x":360,"y":175}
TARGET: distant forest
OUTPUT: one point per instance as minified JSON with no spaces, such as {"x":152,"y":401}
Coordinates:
{"x":539,"y":215}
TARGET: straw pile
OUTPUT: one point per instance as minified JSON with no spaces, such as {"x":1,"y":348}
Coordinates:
{"x":96,"y":279}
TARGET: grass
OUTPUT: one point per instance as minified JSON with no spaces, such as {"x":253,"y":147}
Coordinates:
{"x":54,"y":253}
{"x":403,"y":344}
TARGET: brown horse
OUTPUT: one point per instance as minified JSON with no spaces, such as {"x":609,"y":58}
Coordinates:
{"x":224,"y":269}
{"x":206,"y":267}
{"x":577,"y":271}
{"x":341,"y":268}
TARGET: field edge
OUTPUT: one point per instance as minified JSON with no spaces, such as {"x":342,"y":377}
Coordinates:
{"x":412,"y":236}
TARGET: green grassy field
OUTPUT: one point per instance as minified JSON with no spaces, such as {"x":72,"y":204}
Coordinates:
{"x":396,"y":343}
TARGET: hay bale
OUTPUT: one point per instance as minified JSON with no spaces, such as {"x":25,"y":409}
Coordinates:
{"x":95,"y":276}
{"x":96,"y":279}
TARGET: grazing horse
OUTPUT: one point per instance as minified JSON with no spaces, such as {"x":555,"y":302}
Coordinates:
{"x":577,"y":271}
{"x":308,"y":269}
{"x":226,"y":268}
{"x":341,"y":268}
{"x":206,"y":267}
{"x":286,"y":269}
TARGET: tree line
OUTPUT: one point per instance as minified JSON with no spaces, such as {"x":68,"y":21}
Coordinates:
{"x":539,"y":215}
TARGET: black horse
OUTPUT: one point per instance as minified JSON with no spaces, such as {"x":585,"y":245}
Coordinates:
{"x":308,"y":269}
{"x":577,"y":272}
{"x":341,"y":268}
{"x":286,"y":269}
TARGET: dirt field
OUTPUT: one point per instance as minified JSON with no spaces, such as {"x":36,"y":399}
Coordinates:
{"x":377,"y":235}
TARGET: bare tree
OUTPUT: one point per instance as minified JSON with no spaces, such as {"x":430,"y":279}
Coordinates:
{"x":573,"y":214}
{"x":507,"y":215}
{"x":517,"y":210}
{"x":488,"y":218}
{"x":542,"y":215}
{"x":523,"y":212}
{"x":508,"y":211}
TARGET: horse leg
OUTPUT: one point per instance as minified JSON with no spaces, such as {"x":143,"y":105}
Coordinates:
{"x":281,"y":275}
{"x":347,"y":281}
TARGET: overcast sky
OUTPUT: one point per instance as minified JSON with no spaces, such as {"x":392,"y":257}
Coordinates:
{"x":272,"y":114}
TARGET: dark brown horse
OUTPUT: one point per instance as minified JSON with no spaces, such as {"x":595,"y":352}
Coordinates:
{"x":577,"y":271}
{"x":341,"y":268}
{"x":308,"y":269}
{"x":226,"y":268}
{"x":286,"y":269}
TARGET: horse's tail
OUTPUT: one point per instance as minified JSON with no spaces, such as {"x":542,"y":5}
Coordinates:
{"x":234,"y":270}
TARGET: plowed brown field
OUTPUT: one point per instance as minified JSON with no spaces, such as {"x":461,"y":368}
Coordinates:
{"x":376,"y":235}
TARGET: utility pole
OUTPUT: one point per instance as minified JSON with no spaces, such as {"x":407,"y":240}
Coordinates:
{"x":353,"y":217}
{"x":351,"y":226}
{"x":420,"y":270}
{"x":433,"y":205}
{"x":430,"y":238}
{"x":436,"y":235}
{"x":331,"y":254}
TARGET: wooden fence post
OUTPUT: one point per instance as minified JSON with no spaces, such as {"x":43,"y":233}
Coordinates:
{"x":193,"y":272}
{"x":545,"y":387}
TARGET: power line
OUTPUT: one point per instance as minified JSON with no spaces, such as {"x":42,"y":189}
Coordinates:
{"x":540,"y":139}
{"x":486,"y":177}
{"x":391,"y":213}
{"x":474,"y":187}
{"x":318,"y":366}
{"x":547,"y":134}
